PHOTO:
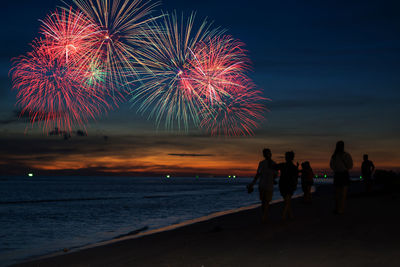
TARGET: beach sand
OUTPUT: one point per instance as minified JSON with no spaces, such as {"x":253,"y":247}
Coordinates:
{"x":368,"y":234}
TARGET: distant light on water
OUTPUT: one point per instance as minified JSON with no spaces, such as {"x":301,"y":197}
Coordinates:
{"x":234,"y":177}
{"x":168,"y":176}
{"x":360,"y":177}
{"x":325,"y":175}
{"x":30,"y":174}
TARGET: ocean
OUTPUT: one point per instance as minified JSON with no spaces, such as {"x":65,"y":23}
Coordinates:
{"x":42,"y":215}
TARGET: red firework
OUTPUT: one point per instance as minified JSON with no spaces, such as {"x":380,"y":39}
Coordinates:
{"x":53,"y":93}
{"x":217,"y":69}
{"x":233,"y":106}
{"x":76,"y":38}
{"x":71,"y":35}
{"x":237,"y":113}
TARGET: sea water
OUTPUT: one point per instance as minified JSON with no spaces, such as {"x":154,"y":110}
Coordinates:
{"x":41,"y":215}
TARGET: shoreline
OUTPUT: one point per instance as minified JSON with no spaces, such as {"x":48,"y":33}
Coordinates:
{"x":366,"y":234}
{"x":140,"y":234}
{"x":146,"y":232}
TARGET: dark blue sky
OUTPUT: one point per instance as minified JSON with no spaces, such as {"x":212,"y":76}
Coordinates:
{"x":331,"y":69}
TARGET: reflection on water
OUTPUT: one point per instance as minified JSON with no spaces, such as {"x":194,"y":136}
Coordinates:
{"x":40,"y":215}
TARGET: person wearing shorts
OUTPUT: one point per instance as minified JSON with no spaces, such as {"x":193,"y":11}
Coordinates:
{"x":288,"y":183}
{"x":341,"y":162}
{"x":266,"y":173}
{"x":307,"y":180}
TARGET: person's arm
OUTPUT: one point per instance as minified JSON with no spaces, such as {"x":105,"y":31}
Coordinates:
{"x":372,"y":167}
{"x":349,"y":161}
{"x":257,"y":174}
{"x":332,"y":164}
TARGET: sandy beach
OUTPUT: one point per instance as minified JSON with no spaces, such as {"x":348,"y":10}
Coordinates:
{"x":368,"y":234}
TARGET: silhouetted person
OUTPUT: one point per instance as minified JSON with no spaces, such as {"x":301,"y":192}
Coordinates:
{"x":288,"y":183}
{"x":367,"y":168}
{"x":341,"y":162}
{"x":266,"y":172}
{"x":307,"y":180}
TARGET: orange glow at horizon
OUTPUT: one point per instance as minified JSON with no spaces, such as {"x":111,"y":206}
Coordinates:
{"x":181,"y":155}
{"x":162,"y":163}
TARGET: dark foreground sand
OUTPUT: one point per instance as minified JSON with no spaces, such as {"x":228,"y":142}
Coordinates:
{"x":368,"y":234}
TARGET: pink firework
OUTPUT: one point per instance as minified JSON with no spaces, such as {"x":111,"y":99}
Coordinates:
{"x":53,"y":93}
{"x":71,"y":35}
{"x":238,"y":113}
{"x":233,"y":104}
{"x":217,"y":68}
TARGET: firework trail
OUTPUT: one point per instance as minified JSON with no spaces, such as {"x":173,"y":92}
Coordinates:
{"x":166,"y":92}
{"x":218,"y":74}
{"x":71,"y":35}
{"x":238,"y":113}
{"x":122,"y":23}
{"x":217,"y":68}
{"x":178,"y":74}
{"x":51,"y":91}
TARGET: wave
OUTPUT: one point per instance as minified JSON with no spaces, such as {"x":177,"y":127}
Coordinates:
{"x":206,"y":191}
{"x":134,"y":232}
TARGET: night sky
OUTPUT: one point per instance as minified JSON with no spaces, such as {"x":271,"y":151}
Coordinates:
{"x":331,"y":69}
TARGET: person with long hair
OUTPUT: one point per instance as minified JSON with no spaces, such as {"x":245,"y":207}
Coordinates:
{"x":307,"y":180}
{"x":266,"y":173}
{"x":288,"y":183}
{"x":341,"y":162}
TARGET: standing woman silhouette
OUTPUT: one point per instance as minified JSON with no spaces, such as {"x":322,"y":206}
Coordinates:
{"x":288,"y":183}
{"x":266,"y":173}
{"x":341,"y":162}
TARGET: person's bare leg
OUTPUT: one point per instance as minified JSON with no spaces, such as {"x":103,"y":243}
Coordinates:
{"x":343,"y":199}
{"x":368,"y":186}
{"x":265,"y":212}
{"x":267,"y":200}
{"x":337,"y":199}
{"x":286,"y":207}
{"x":309,"y":193}
{"x":262,"y":210}
{"x":290,"y":211}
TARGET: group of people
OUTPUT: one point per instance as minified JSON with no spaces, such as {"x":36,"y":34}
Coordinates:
{"x":267,"y":172}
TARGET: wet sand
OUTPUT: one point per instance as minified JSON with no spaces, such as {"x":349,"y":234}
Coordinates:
{"x":368,"y":234}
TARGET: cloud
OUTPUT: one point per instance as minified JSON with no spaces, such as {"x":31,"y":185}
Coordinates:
{"x":190,"y":155}
{"x":123,"y":154}
{"x":7,"y":121}
{"x":22,"y":116}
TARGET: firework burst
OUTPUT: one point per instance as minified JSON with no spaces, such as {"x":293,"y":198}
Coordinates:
{"x":51,"y":91}
{"x":123,"y":23}
{"x":217,"y":68}
{"x":237,"y":113}
{"x":178,"y":73}
{"x":166,"y":90}
{"x":70,"y":35}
